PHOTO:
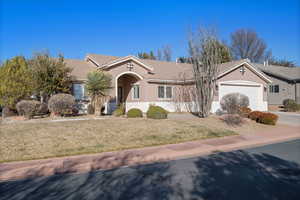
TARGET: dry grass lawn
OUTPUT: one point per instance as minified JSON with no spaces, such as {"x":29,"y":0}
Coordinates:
{"x":25,"y":141}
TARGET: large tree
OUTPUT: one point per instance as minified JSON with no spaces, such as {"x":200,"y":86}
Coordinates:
{"x":206,"y":55}
{"x":223,"y":49}
{"x":97,"y":86}
{"x":50,"y":75}
{"x":246,"y":44}
{"x":15,"y":81}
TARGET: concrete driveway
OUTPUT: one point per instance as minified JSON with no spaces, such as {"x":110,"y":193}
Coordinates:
{"x":288,"y":118}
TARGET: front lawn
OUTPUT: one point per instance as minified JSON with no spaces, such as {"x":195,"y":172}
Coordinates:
{"x":25,"y":141}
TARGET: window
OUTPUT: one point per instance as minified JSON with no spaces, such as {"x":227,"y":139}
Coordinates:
{"x":274,"y":89}
{"x":78,"y":91}
{"x":136,"y":92}
{"x":161,"y":92}
{"x":169,"y":92}
{"x":165,"y":92}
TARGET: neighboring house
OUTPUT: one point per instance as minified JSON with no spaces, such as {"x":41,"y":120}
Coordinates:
{"x":140,"y":82}
{"x":285,"y":83}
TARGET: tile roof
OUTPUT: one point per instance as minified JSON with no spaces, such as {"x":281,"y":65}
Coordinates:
{"x":288,"y":73}
{"x":171,"y":70}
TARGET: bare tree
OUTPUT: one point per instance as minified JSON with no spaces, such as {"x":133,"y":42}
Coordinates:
{"x":167,"y":53}
{"x":203,"y":47}
{"x":158,"y":55}
{"x":246,"y":44}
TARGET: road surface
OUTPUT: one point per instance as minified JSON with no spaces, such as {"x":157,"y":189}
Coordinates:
{"x":268,"y":172}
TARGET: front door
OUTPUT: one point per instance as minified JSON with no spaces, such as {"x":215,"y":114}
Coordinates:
{"x":120,"y":94}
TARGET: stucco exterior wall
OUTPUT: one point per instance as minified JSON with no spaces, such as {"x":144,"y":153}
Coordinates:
{"x":286,"y":91}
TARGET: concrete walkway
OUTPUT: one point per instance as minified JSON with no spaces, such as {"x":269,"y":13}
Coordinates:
{"x":86,"y":163}
{"x":288,"y":118}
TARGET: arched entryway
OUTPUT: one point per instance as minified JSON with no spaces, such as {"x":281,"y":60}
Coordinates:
{"x":127,"y":87}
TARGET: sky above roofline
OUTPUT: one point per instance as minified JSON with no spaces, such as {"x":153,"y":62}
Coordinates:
{"x":121,"y":28}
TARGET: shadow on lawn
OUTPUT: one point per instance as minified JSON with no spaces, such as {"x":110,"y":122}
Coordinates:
{"x":233,"y":175}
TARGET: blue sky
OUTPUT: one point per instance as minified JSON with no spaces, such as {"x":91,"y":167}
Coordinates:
{"x":119,"y":28}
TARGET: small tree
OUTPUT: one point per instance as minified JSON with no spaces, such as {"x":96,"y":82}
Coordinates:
{"x":50,"y":76}
{"x":206,"y":55}
{"x":15,"y":82}
{"x":98,"y":84}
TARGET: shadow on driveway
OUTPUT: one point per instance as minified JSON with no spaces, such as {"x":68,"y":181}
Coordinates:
{"x":232,"y":175}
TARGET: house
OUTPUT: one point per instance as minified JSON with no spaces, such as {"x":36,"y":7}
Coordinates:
{"x":285,"y":83}
{"x":140,"y":82}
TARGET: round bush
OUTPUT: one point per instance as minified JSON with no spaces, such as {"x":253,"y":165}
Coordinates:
{"x":156,"y":112}
{"x":134,"y":113}
{"x":118,"y":112}
{"x":233,"y":101}
{"x":288,"y":101}
{"x":8,"y":112}
{"x":290,"y":105}
{"x":61,"y":104}
{"x":28,"y":108}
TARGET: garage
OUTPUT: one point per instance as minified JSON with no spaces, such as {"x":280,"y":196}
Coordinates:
{"x":252,"y":90}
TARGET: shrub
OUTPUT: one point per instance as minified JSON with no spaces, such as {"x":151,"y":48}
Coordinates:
{"x":288,"y":101}
{"x":8,"y":112}
{"x":61,"y":104}
{"x":292,"y":106}
{"x":28,"y":108}
{"x":233,"y":101}
{"x":90,"y":109}
{"x":244,"y":111}
{"x":134,"y":112}
{"x":232,"y":119}
{"x":254,"y":115}
{"x":119,"y":111}
{"x":156,"y":112}
{"x":268,"y":118}
{"x":43,"y":109}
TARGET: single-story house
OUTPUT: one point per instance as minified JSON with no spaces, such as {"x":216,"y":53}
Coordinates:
{"x":140,"y":82}
{"x":285,"y":83}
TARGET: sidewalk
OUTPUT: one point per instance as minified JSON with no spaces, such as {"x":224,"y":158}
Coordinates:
{"x":108,"y":160}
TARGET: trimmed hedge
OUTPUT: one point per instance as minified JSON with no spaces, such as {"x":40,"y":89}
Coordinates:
{"x":268,"y":118}
{"x":134,"y":113}
{"x":255,"y":115}
{"x":62,"y":104}
{"x":264,"y":117}
{"x":156,"y":112}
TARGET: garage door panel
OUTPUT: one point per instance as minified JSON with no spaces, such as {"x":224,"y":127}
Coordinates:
{"x":253,"y":92}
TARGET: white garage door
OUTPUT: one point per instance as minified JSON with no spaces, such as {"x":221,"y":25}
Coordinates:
{"x":253,"y":91}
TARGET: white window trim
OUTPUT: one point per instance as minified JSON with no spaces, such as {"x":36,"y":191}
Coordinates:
{"x":132,"y":91}
{"x":165,"y":92}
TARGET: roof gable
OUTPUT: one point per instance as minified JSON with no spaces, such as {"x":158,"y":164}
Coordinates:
{"x":240,"y":63}
{"x":126,"y":59}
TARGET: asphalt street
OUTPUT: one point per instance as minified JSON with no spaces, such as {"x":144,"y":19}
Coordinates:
{"x":268,"y":172}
